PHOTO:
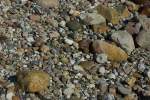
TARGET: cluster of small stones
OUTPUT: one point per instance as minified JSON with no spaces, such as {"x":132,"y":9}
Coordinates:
{"x":74,"y":49}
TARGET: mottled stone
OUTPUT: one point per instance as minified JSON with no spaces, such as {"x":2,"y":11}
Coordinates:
{"x":113,"y":52}
{"x":125,"y":40}
{"x":33,"y":81}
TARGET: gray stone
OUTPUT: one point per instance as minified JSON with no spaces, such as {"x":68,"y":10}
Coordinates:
{"x":101,"y":58}
{"x":93,"y":18}
{"x":125,"y":40}
{"x":143,"y":39}
{"x":123,"y":90}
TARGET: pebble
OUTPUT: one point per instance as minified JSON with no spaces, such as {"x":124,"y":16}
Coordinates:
{"x":143,"y":39}
{"x":68,"y":41}
{"x":84,"y":45}
{"x":148,"y":74}
{"x":101,"y":58}
{"x":69,"y":90}
{"x":87,"y":65}
{"x":125,"y":40}
{"x":9,"y":95}
{"x":112,"y":76}
{"x":48,"y":3}
{"x":33,"y":81}
{"x":102,"y":70}
{"x":123,"y":90}
{"x":93,"y":18}
{"x":114,"y":15}
{"x":74,"y":25}
{"x":113,"y":52}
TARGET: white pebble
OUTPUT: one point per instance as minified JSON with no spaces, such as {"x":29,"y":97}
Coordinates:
{"x":69,"y":41}
{"x":102,"y":70}
{"x":9,"y":95}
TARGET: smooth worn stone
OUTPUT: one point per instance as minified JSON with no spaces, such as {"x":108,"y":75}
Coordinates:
{"x":102,"y":85}
{"x":87,"y":65}
{"x":114,"y":15}
{"x":125,"y":40}
{"x":44,"y":48}
{"x":93,"y":18}
{"x":133,"y":28}
{"x":47,"y":3}
{"x":84,"y":45}
{"x":102,"y":28}
{"x":33,"y":81}
{"x":145,"y":22}
{"x":113,"y":52}
{"x":123,"y":90}
{"x":101,"y":58}
{"x":74,"y":25}
{"x":143,"y":39}
{"x":102,"y":70}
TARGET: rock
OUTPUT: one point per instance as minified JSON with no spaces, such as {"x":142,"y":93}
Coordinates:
{"x":33,"y":81}
{"x":109,"y":97}
{"x":133,"y":28}
{"x":145,"y":11}
{"x":112,"y":76}
{"x":54,"y":34}
{"x":131,"y":81}
{"x":34,"y":17}
{"x":113,"y":52}
{"x":148,"y":74}
{"x":15,"y":98}
{"x":69,"y":90}
{"x":132,"y":6}
{"x":114,"y":15}
{"x":102,"y":86}
{"x":74,"y":25}
{"x":102,"y":70}
{"x":125,"y":40}
{"x":145,"y":22}
{"x":123,"y":90}
{"x":84,"y":45}
{"x":101,"y":58}
{"x":74,"y":13}
{"x":97,"y":21}
{"x":87,"y":65}
{"x":143,"y":39}
{"x":44,"y":48}
{"x":47,"y":3}
{"x":102,"y":28}
{"x":93,"y":18}
{"x":68,"y":41}
{"x":131,"y":97}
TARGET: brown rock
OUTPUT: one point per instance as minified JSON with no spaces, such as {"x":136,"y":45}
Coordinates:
{"x":47,"y":3}
{"x":44,"y":48}
{"x":131,"y":81}
{"x":84,"y":45}
{"x":15,"y":98}
{"x":113,"y":52}
{"x":102,"y":28}
{"x":33,"y":81}
{"x":34,"y":17}
{"x":114,"y":15}
{"x":87,"y":65}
